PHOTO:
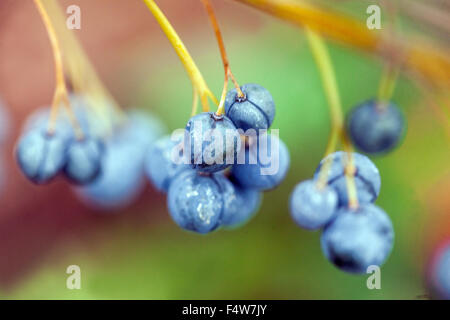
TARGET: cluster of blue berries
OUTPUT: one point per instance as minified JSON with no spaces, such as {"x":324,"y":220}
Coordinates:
{"x":214,"y":170}
{"x":439,"y":273}
{"x":106,"y":169}
{"x":352,"y":239}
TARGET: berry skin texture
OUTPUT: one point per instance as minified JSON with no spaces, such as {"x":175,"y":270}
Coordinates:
{"x":440,"y":273}
{"x":241,"y":208}
{"x":375,"y":130}
{"x":196,"y":201}
{"x":212,"y":141}
{"x":40,"y":155}
{"x":367,"y":177}
{"x":84,"y":158}
{"x":312,"y":208}
{"x":262,"y":168}
{"x":357,"y":239}
{"x":255,"y":111}
{"x":160,"y":165}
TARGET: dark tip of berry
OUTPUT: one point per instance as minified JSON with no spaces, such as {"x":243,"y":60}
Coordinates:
{"x":241,"y":99}
{"x":217,"y":117}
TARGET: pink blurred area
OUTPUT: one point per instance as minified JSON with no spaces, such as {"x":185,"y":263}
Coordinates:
{"x":35,"y":220}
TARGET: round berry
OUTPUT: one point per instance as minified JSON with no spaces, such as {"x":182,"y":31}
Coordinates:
{"x":41,"y":155}
{"x":122,"y":165}
{"x":256,"y":110}
{"x":241,"y":206}
{"x":196,"y":201}
{"x":357,"y":239}
{"x":366,"y":175}
{"x":120,"y":180}
{"x":212,"y":142}
{"x":84,"y":158}
{"x":375,"y":129}
{"x":141,"y":129}
{"x":39,"y":121}
{"x":311,"y":207}
{"x":164,"y":161}
{"x":440,"y":273}
{"x":259,"y":166}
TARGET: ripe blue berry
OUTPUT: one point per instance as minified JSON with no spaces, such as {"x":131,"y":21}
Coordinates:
{"x":254,"y":111}
{"x":312,"y":208}
{"x":122,"y":166}
{"x":161,"y":165}
{"x":440,"y":273}
{"x":120,"y":180}
{"x":142,"y":129}
{"x":41,"y":155}
{"x":39,"y":120}
{"x":241,"y":206}
{"x":261,"y":167}
{"x":84,"y":158}
{"x":196,"y":201}
{"x":212,"y":142}
{"x":374,"y":129}
{"x":367,"y":177}
{"x":357,"y":239}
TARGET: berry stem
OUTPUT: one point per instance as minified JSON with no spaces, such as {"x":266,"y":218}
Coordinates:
{"x":60,"y":95}
{"x":194,"y":102}
{"x":328,"y":77}
{"x":223,"y":54}
{"x":387,"y":85}
{"x":350,"y":171}
{"x":422,"y":57}
{"x":194,"y":73}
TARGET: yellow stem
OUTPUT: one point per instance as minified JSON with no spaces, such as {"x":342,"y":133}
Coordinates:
{"x":328,"y":77}
{"x":191,"y":68}
{"x":422,"y":57}
{"x":387,"y":85}
{"x":83,"y":76}
{"x":349,"y":169}
{"x":60,"y":95}
{"x":223,"y":54}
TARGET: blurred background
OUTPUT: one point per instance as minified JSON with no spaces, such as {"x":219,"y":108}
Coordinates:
{"x":138,"y":252}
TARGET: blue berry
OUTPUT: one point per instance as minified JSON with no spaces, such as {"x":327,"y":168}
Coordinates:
{"x":120,"y":180}
{"x":39,"y":120}
{"x":212,"y":142}
{"x":241,"y":206}
{"x":254,"y":111}
{"x":375,"y":130}
{"x":260,"y":167}
{"x":196,"y":201}
{"x":312,"y":208}
{"x":160,"y":164}
{"x":41,"y":155}
{"x":122,"y":166}
{"x":367,"y":177}
{"x":142,"y":129}
{"x":440,"y":273}
{"x":84,"y":158}
{"x":357,"y":239}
